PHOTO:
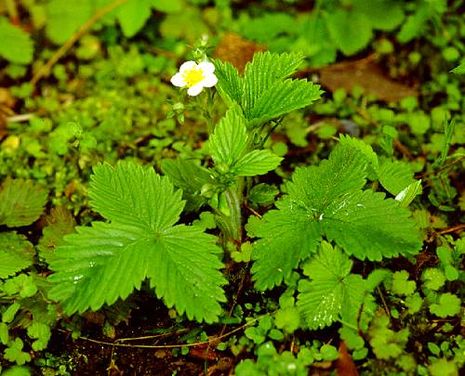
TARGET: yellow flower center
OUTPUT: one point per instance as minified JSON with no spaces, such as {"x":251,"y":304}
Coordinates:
{"x":193,"y":77}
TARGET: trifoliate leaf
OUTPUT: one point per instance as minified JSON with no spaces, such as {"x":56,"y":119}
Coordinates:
{"x":229,"y":139}
{"x":16,"y":45}
{"x":401,"y":285}
{"x":102,"y":263}
{"x":257,"y":162}
{"x":23,"y":285}
{"x":264,"y":92}
{"x":16,"y":254}
{"x":386,"y":343}
{"x":15,"y":354}
{"x":327,"y":199}
{"x":433,"y":279}
{"x":65,"y":17}
{"x":332,"y":291}
{"x":21,"y":202}
{"x":132,"y":16}
{"x":448,"y":305}
{"x":228,"y":146}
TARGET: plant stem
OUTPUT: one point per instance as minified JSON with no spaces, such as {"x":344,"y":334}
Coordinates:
{"x":235,"y":216}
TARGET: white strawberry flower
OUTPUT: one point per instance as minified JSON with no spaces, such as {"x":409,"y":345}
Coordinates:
{"x":195,"y":77}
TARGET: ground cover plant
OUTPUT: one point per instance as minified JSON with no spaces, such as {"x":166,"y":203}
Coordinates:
{"x":227,"y":187}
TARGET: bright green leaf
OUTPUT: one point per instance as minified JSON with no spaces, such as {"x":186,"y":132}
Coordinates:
{"x":16,"y":45}
{"x":16,"y":253}
{"x":132,"y":16}
{"x":21,"y":202}
{"x":257,"y":162}
{"x":107,"y":261}
{"x":332,"y":292}
{"x":448,"y":305}
{"x":228,"y":142}
{"x":65,"y":17}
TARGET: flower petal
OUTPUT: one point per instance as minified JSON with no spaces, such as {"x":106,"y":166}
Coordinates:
{"x":178,"y":80}
{"x":195,"y":90}
{"x":209,"y":80}
{"x":188,"y":65}
{"x":207,"y":67}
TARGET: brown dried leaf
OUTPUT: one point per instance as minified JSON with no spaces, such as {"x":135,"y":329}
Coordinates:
{"x":345,"y":365}
{"x":368,"y":75}
{"x":236,"y":50}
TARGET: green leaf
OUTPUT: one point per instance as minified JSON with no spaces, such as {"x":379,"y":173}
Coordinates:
{"x":287,"y":236}
{"x":395,"y":176}
{"x":265,"y":70}
{"x":190,"y":177}
{"x":228,"y":142}
{"x":408,"y":194}
{"x":16,"y":254}
{"x":17,"y":371}
{"x":460,"y":69}
{"x":14,"y":352}
{"x":16,"y":45}
{"x":448,"y":305}
{"x":23,"y":284}
{"x":350,"y":30}
{"x":433,"y":279}
{"x":328,"y":200}
{"x":332,"y":289}
{"x":230,"y":85}
{"x":281,"y":98}
{"x":65,"y":17}
{"x":367,"y":225}
{"x":60,"y":222}
{"x":126,"y":195}
{"x":9,"y":314}
{"x":382,"y":14}
{"x":21,"y":202}
{"x":257,"y":162}
{"x":366,"y":150}
{"x":132,"y":16}
{"x":102,"y":263}
{"x":386,"y":343}
{"x":4,"y":335}
{"x":41,"y":333}
{"x":168,"y":6}
{"x":401,"y":285}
